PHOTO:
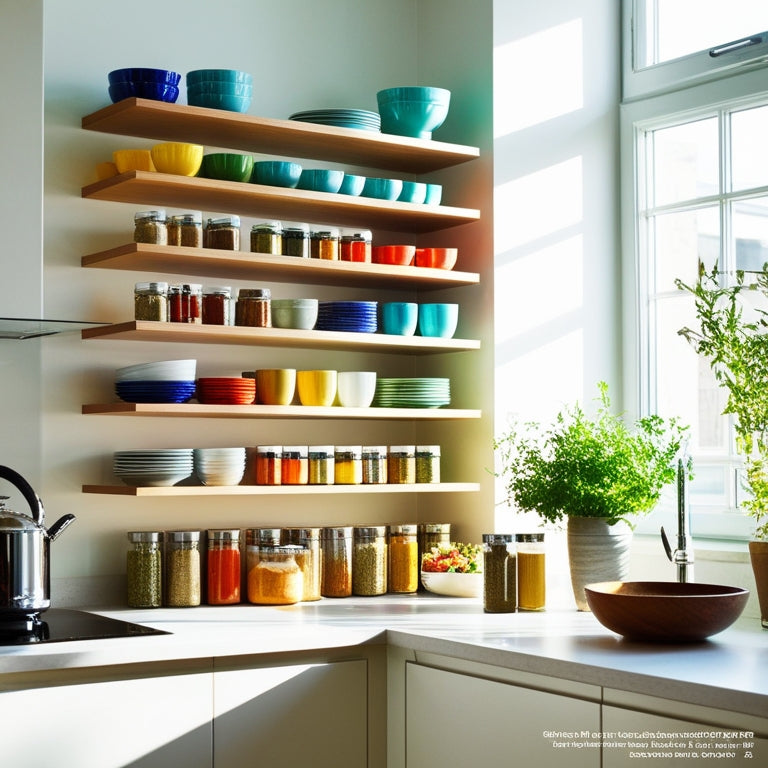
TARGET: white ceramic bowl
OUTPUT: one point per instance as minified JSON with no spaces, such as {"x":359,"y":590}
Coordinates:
{"x":355,"y":389}
{"x":453,"y":584}
{"x":295,"y":313}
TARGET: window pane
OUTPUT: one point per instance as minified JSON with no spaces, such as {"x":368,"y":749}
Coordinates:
{"x":750,"y":230}
{"x":685,"y":162}
{"x":749,"y":156}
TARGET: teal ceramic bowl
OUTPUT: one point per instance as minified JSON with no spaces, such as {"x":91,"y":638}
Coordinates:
{"x":438,"y":320}
{"x":413,"y":192}
{"x":434,"y":194}
{"x":414,"y":93}
{"x":276,"y":173}
{"x":226,"y":166}
{"x":352,"y":185}
{"x":219,"y":75}
{"x":382,"y":189}
{"x":320,"y":180}
{"x":416,"y":119}
{"x":219,"y":101}
{"x":399,"y":317}
{"x":215,"y":88}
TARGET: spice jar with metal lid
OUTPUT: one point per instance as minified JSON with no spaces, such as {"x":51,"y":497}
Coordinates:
{"x":269,"y":464}
{"x":308,"y":558}
{"x":185,"y":303}
{"x":276,"y":578}
{"x":324,"y":244}
{"x":223,"y":233}
{"x":296,"y":240}
{"x":150,"y":227}
{"x":223,"y":566}
{"x":217,"y":303}
{"x":427,"y":463}
{"x":186,"y":229}
{"x":150,"y":301}
{"x":374,"y":464}
{"x":182,"y":569}
{"x":294,"y":465}
{"x":144,"y":569}
{"x":499,"y":573}
{"x":369,"y":560}
{"x":403,"y":553}
{"x":401,"y":464}
{"x":254,"y":307}
{"x":531,"y":572}
{"x":321,"y":464}
{"x":348,"y":465}
{"x":255,"y":538}
{"x":336,"y":546}
{"x":432,"y":535}
{"x":355,"y":245}
{"x":267,"y":237}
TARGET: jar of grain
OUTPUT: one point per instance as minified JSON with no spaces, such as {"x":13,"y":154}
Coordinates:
{"x":223,"y":233}
{"x":296,"y":240}
{"x":403,"y":553}
{"x":144,"y":569}
{"x":427,"y":463}
{"x":150,"y":301}
{"x":401,"y":464}
{"x":294,"y":465}
{"x":223,"y":567}
{"x":276,"y":578}
{"x":355,"y":246}
{"x":499,"y":573}
{"x":150,"y":227}
{"x":321,"y":464}
{"x":324,"y":244}
{"x":217,"y":304}
{"x":254,"y":307}
{"x":269,"y":464}
{"x":267,"y":237}
{"x":255,"y":538}
{"x":308,"y":558}
{"x":369,"y":561}
{"x":374,"y":464}
{"x":348,"y":465}
{"x":336,"y":546}
{"x":186,"y":229}
{"x":531,"y":572}
{"x":182,"y":569}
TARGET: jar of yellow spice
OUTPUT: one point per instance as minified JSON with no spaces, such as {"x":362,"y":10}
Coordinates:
{"x":403,"y":558}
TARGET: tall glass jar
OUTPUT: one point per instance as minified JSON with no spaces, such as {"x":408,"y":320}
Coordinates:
{"x":321,"y":464}
{"x":401,"y":464}
{"x":296,"y":241}
{"x":267,"y":237}
{"x":276,"y":578}
{"x":223,"y":567}
{"x":269,"y":464}
{"x":254,"y":307}
{"x":374,"y":464}
{"x":150,"y":302}
{"x":294,"y":465}
{"x":150,"y":227}
{"x":403,"y":573}
{"x":499,"y":573}
{"x":308,"y":558}
{"x":144,"y":569}
{"x":427,"y":463}
{"x":348,"y":465}
{"x":185,"y":303}
{"x":336,"y":545}
{"x":222,"y":233}
{"x":369,"y":560}
{"x":182,"y":569}
{"x":531,"y":572}
{"x":217,"y":304}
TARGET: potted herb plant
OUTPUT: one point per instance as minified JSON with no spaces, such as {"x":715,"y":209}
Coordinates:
{"x":598,"y":473}
{"x":735,"y":342}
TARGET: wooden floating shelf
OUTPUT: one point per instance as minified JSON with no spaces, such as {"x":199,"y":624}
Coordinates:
{"x":220,"y":128}
{"x":145,"y":330}
{"x":243,"y":265}
{"x":164,"y":189}
{"x":279,"y":490}
{"x":198,"y":410}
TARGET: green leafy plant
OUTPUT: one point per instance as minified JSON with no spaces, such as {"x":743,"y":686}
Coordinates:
{"x":582,"y":467}
{"x":737,"y":351}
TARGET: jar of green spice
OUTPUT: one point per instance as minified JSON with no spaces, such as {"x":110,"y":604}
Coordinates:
{"x":499,"y":573}
{"x":150,"y":302}
{"x":427,"y":463}
{"x":182,"y":569}
{"x":369,"y":561}
{"x":144,"y":569}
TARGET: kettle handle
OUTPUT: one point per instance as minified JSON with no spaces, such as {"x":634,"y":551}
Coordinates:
{"x":34,"y":501}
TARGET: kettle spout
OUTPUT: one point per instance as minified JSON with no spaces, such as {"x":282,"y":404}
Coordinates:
{"x":59,"y":526}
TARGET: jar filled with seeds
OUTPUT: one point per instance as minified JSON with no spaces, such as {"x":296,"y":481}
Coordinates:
{"x":374,"y":464}
{"x":307,"y":557}
{"x":150,"y":227}
{"x":403,"y":573}
{"x":499,"y":573}
{"x":369,"y":561}
{"x":254,"y":307}
{"x":321,"y":464}
{"x":217,"y":303}
{"x":296,"y":240}
{"x":427,"y":463}
{"x":276,"y":578}
{"x":144,"y":569}
{"x":401,"y":464}
{"x":269,"y":464}
{"x":150,"y":301}
{"x":336,"y":546}
{"x":294,"y":469}
{"x":348,"y":465}
{"x":267,"y":237}
{"x":324,"y":244}
{"x":356,"y":246}
{"x":182,"y":569}
{"x":223,"y":567}
{"x":186,"y":229}
{"x":223,"y":233}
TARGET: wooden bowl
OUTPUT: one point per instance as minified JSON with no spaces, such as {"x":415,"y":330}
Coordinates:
{"x":665,"y":611}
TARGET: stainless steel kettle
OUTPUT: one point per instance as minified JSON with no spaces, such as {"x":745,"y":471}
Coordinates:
{"x":25,"y":578}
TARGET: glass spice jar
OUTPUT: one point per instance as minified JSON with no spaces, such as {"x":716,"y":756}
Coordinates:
{"x":432,"y":535}
{"x":369,"y":561}
{"x":321,"y":464}
{"x":255,"y":538}
{"x":356,"y":246}
{"x":150,"y":301}
{"x":269,"y":464}
{"x":348,"y":465}
{"x":374,"y":464}
{"x":294,"y":465}
{"x":223,"y":567}
{"x":276,"y":578}
{"x":185,"y":303}
{"x":186,"y":229}
{"x":427,"y":463}
{"x":336,"y":546}
{"x":499,"y":573}
{"x":531,"y":572}
{"x":254,"y":307}
{"x":324,"y":244}
{"x":403,"y":553}
{"x":182,"y":569}
{"x":150,"y":227}
{"x":267,"y":237}
{"x":401,"y":464}
{"x":308,"y":558}
{"x":223,"y":233}
{"x":144,"y":569}
{"x":296,"y":241}
{"x":217,"y":302}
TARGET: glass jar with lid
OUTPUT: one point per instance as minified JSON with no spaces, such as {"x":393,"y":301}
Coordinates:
{"x":223,"y":566}
{"x":374,"y":464}
{"x":150,"y":302}
{"x":336,"y":546}
{"x":217,"y":305}
{"x":403,"y":554}
{"x":186,"y":229}
{"x":254,"y":307}
{"x":222,"y":233}
{"x":427,"y":463}
{"x":401,"y":464}
{"x":182,"y":569}
{"x":144,"y":569}
{"x":267,"y":237}
{"x":369,"y":561}
{"x":499,"y":573}
{"x":294,"y":466}
{"x":296,"y":240}
{"x":321,"y":464}
{"x":185,"y":303}
{"x":531,"y":572}
{"x":348,"y":465}
{"x":355,"y":245}
{"x":255,"y":538}
{"x":269,"y":464}
{"x":308,"y":558}
{"x":324,"y":244}
{"x":276,"y":578}
{"x":150,"y":227}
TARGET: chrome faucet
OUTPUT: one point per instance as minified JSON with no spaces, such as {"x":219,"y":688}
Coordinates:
{"x":681,"y":557}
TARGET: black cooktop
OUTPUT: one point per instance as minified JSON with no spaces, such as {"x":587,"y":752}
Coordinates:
{"x":58,"y":625}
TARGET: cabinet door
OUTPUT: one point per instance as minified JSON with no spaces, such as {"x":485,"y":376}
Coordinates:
{"x":458,"y":719}
{"x":305,"y":714}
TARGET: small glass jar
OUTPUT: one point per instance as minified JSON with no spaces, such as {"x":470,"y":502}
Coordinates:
{"x":336,"y":545}
{"x":294,"y":466}
{"x":427,"y":463}
{"x":324,"y":244}
{"x":403,"y":553}
{"x":186,"y":229}
{"x":321,"y":464}
{"x":217,"y":305}
{"x":185,"y":303}
{"x":308,"y":558}
{"x":276,"y":578}
{"x":267,"y":237}
{"x":374,"y":464}
{"x":269,"y":464}
{"x":150,"y":302}
{"x":499,"y":573}
{"x":401,"y":464}
{"x":432,"y":535}
{"x":223,"y":567}
{"x":223,"y":233}
{"x":254,"y":307}
{"x":182,"y":569}
{"x":531,"y":572}
{"x":369,"y":561}
{"x":348,"y":465}
{"x":255,"y":538}
{"x":296,"y":241}
{"x":150,"y":227}
{"x":356,"y":246}
{"x":144,"y":569}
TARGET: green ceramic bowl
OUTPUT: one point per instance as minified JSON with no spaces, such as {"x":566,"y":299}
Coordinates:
{"x":227,"y":166}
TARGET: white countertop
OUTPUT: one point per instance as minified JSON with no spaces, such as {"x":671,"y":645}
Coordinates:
{"x":729,"y":671}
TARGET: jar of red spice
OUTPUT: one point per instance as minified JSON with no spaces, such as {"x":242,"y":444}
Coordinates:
{"x":217,"y":303}
{"x":254,"y":307}
{"x":336,"y":545}
{"x":294,"y":465}
{"x":356,"y":246}
{"x":269,"y":464}
{"x":223,"y":566}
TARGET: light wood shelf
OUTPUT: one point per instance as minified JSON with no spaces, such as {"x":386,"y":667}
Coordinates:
{"x":289,"y":138}
{"x":243,"y":265}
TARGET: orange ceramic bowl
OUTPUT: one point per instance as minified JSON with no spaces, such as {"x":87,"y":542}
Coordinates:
{"x":401,"y":255}
{"x":440,"y":258}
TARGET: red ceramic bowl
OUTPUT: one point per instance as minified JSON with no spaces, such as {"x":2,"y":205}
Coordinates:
{"x":440,"y":258}
{"x":401,"y":255}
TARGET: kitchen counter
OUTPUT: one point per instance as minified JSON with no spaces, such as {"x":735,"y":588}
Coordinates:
{"x":729,"y":671}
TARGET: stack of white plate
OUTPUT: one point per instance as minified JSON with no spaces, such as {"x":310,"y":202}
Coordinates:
{"x":163,"y":370}
{"x":219,"y":466}
{"x":361,"y":119}
{"x":167,"y":381}
{"x":153,"y":467}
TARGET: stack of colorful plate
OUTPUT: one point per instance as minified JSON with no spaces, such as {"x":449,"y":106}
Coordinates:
{"x":350,"y":316}
{"x":341,"y":118}
{"x":153,"y":467}
{"x":167,"y":381}
{"x":412,"y":393}
{"x":219,"y":466}
{"x":225,"y":390}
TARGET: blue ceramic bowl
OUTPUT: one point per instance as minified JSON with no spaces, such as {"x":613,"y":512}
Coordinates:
{"x":382,"y":189}
{"x":219,"y":101}
{"x":144,"y":75}
{"x":434,"y":194}
{"x":220,"y":89}
{"x":220,"y":75}
{"x":352,"y":185}
{"x":416,"y":119}
{"x":144,"y":90}
{"x":414,"y":93}
{"x":320,"y":180}
{"x":227,"y":166}
{"x":413,"y":192}
{"x":399,"y":318}
{"x":276,"y":173}
{"x":438,"y":320}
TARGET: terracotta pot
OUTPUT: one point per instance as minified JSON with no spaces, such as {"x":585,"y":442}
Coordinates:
{"x":596,"y":552}
{"x":758,"y":553}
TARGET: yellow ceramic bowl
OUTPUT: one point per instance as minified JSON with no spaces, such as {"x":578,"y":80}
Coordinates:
{"x":178,"y":157}
{"x":316,"y":387}
{"x":106,"y":171}
{"x":275,"y":386}
{"x":133,"y":160}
